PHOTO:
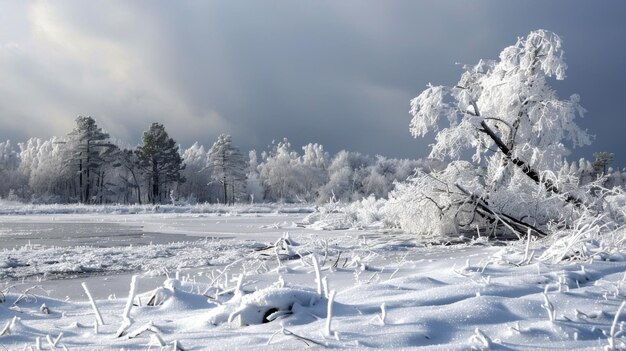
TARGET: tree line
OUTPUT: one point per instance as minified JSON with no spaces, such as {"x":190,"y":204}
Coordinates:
{"x":88,"y":166}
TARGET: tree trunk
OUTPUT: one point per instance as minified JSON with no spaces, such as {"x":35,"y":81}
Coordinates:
{"x":525,"y":168}
{"x":80,"y":179}
{"x":518,"y":227}
{"x":225,"y":191}
{"x":87,"y":179}
{"x":137,"y":185}
{"x":87,"y":185}
{"x":155,"y":182}
{"x":232,"y":193}
{"x":102,"y":187}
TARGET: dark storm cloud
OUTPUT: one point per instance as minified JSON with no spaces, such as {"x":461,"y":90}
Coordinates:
{"x":340,"y":73}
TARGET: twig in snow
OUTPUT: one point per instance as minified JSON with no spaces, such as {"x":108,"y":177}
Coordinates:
{"x":269,"y":341}
{"x":372,"y":277}
{"x":155,"y":339}
{"x":592,"y":315}
{"x":613,"y":332}
{"x":7,"y":328}
{"x":222,"y":272}
{"x":53,"y":343}
{"x":58,"y":338}
{"x":318,"y":278}
{"x":26,"y":294}
{"x":176,"y":345}
{"x":131,"y":297}
{"x":481,"y":338}
{"x":329,"y":313}
{"x":482,"y":270}
{"x":337,"y":261}
{"x":239,"y":283}
{"x":93,"y":304}
{"x":120,"y":331}
{"x":144,"y":328}
{"x":526,"y":258}
{"x":549,"y":307}
{"x":276,"y":248}
{"x":517,"y":327}
{"x":301,"y":338}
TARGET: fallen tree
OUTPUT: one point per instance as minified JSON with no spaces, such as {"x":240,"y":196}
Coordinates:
{"x":507,"y":113}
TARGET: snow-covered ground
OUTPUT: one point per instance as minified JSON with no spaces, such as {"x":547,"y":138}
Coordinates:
{"x":210,"y":279}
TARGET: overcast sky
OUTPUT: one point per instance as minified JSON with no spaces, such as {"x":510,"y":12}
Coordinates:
{"x":340,"y":73}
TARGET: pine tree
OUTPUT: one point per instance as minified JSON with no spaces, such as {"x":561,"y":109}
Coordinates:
{"x":228,"y":168}
{"x":159,"y":160}
{"x":128,"y":175}
{"x":602,"y":162}
{"x":87,"y":148}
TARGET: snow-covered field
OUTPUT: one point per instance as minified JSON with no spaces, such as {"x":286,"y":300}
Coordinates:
{"x":246,"y":278}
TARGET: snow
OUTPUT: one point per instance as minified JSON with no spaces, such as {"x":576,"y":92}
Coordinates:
{"x":219,"y":285}
{"x":18,"y":208}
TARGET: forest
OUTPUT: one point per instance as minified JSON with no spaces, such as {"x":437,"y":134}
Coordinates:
{"x":89,"y":166}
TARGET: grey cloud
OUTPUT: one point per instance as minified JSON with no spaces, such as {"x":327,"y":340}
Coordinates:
{"x":336,"y":72}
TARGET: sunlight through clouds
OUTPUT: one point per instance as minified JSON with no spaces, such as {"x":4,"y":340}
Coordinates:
{"x":262,"y":72}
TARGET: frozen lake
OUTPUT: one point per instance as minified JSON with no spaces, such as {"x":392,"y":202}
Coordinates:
{"x":102,"y":230}
{"x":59,"y":252}
{"x":18,"y":234}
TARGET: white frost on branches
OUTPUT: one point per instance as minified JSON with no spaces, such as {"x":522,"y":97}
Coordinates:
{"x":514,"y":97}
{"x":508,"y":115}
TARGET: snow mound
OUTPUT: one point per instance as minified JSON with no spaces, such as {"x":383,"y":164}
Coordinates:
{"x":171,"y":298}
{"x":266,"y":305}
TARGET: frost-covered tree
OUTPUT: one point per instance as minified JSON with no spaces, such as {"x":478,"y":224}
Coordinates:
{"x":228,"y":168}
{"x":130,"y":175}
{"x":385,"y":172}
{"x":88,"y":151}
{"x":197,"y":175}
{"x":507,"y":113}
{"x":312,"y":171}
{"x":346,"y":174}
{"x":43,"y":163}
{"x":254,"y":185}
{"x":278,"y":172}
{"x":50,"y":171}
{"x":160,"y":162}
{"x":13,"y":181}
{"x":616,"y":178}
{"x":9,"y":157}
{"x":105,"y":184}
{"x":602,"y":162}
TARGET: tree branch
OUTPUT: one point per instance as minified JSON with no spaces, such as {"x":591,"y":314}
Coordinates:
{"x":510,"y":222}
{"x":524,"y":167}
